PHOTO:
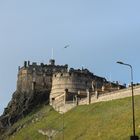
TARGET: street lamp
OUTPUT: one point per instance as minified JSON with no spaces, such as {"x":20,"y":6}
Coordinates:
{"x":63,"y":124}
{"x":61,"y":112}
{"x":133,"y":137}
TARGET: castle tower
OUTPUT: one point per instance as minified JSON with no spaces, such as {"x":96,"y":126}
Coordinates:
{"x":73,"y":81}
{"x":52,"y":62}
{"x":37,"y":76}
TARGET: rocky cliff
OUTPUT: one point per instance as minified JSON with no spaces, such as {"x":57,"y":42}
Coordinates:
{"x":20,"y":105}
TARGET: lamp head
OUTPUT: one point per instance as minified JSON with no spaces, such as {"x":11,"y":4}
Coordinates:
{"x":119,"y":62}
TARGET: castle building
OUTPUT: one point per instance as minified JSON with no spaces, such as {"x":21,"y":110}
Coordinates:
{"x":37,"y":77}
{"x":62,"y":83}
{"x":74,"y":82}
{"x":53,"y":84}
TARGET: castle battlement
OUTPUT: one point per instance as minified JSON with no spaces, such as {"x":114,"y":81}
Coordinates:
{"x":74,"y":72}
{"x":42,"y":67}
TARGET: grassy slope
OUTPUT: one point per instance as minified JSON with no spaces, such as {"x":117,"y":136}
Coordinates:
{"x":101,"y":121}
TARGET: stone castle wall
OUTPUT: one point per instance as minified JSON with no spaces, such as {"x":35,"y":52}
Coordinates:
{"x":118,"y":94}
{"x":72,"y":81}
{"x":37,"y":77}
{"x":24,"y":80}
{"x":29,"y":79}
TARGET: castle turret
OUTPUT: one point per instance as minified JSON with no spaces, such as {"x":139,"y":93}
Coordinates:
{"x":75,"y":81}
{"x":25,"y":64}
{"x":52,"y":62}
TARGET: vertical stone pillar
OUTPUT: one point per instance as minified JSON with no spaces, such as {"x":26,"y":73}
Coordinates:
{"x":73,"y":99}
{"x":96,"y":94}
{"x":93,"y":88}
{"x":103,"y":88}
{"x":65,"y":95}
{"x":76,"y":99}
{"x":88,"y":97}
{"x":118,"y":87}
{"x":78,"y":92}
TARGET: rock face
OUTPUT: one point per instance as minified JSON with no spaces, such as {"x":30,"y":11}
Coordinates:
{"x":20,"y":105}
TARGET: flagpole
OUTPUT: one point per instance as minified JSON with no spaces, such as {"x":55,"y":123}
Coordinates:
{"x":52,"y":53}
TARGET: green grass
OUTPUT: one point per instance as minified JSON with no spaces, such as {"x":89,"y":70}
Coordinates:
{"x":110,"y":120}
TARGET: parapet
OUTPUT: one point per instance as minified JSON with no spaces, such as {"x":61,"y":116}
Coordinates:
{"x":74,"y":73}
{"x":51,"y":67}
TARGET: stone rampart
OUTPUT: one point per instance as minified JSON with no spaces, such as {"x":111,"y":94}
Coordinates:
{"x":71,"y":81}
{"x":119,"y":94}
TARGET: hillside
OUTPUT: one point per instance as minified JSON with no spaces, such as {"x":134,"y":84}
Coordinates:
{"x":110,"y":120}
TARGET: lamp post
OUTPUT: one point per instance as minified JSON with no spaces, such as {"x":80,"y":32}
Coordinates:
{"x":61,"y":112}
{"x":133,"y":137}
{"x":63,"y":125}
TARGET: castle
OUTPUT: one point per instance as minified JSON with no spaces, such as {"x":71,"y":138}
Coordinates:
{"x":62,"y":83}
{"x":61,"y":87}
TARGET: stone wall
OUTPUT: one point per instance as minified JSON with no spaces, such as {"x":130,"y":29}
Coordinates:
{"x":71,"y":81}
{"x":37,"y":77}
{"x":118,"y":94}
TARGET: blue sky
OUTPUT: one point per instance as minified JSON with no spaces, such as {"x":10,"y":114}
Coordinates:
{"x":99,"y":32}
